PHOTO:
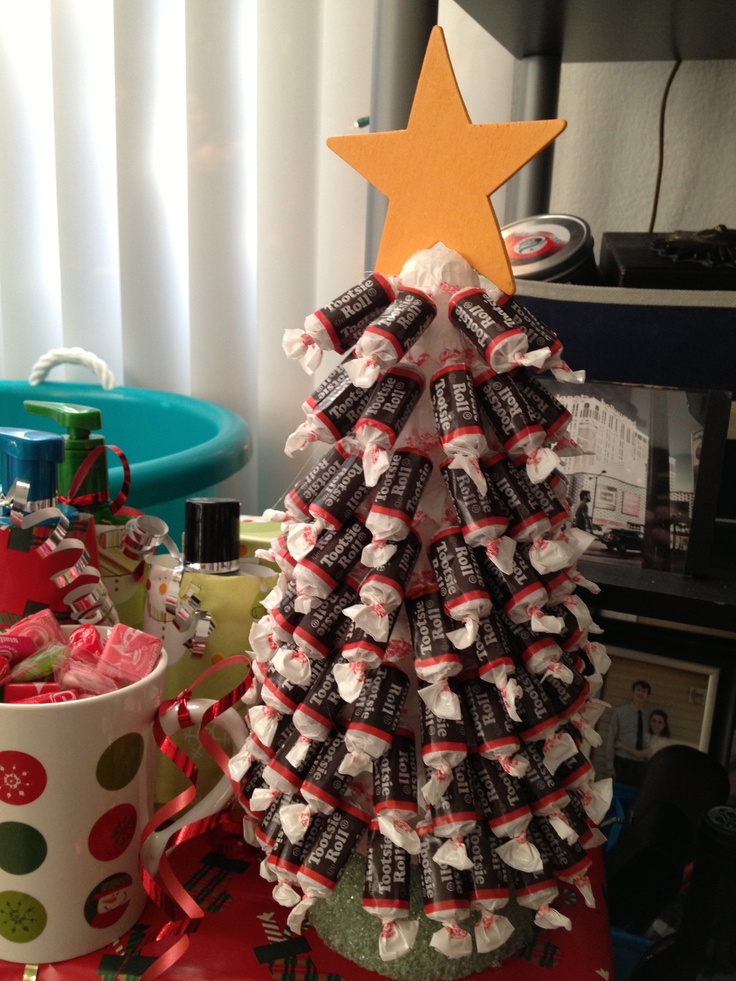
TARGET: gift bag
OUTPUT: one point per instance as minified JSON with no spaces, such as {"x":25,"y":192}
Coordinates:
{"x":52,"y":564}
{"x":123,"y":551}
{"x":201,"y":619}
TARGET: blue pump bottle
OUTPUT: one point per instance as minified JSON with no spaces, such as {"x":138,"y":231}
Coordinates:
{"x":32,"y":457}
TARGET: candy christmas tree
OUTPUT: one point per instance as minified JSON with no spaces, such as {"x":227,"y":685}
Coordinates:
{"x":425,"y":680}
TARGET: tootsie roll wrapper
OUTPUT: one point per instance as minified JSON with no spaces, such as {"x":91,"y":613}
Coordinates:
{"x":389,"y":337}
{"x":395,"y":792}
{"x":329,"y":563}
{"x":519,"y":593}
{"x":499,"y":797}
{"x":395,"y":503}
{"x":549,"y":411}
{"x":383,"y":590}
{"x":435,"y":658}
{"x":454,"y":816}
{"x":337,"y":326}
{"x":375,"y":717}
{"x":332,"y":507}
{"x":386,"y":895}
{"x":321,"y":705}
{"x":489,"y":891}
{"x":384,"y":416}
{"x":308,"y":486}
{"x":446,"y":900}
{"x":325,"y":862}
{"x":528,"y":519}
{"x":501,"y":342}
{"x":483,"y":518}
{"x":331,"y":412}
{"x":285,"y":860}
{"x":540,"y":336}
{"x":461,"y":584}
{"x":444,"y":746}
{"x":322,"y":788}
{"x":320,"y":631}
{"x":493,"y":731}
{"x":537,"y":891}
{"x":458,"y":420}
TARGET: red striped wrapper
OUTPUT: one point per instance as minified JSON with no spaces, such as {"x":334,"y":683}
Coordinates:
{"x":528,"y":519}
{"x":345,"y":318}
{"x":538,"y":334}
{"x":508,"y":414}
{"x":461,"y":584}
{"x":326,"y":860}
{"x":434,"y":655}
{"x":401,"y":325}
{"x":445,"y":890}
{"x":496,"y":336}
{"x":305,"y":490}
{"x":386,"y":888}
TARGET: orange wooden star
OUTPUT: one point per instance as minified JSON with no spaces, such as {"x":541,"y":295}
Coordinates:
{"x":438,"y":173}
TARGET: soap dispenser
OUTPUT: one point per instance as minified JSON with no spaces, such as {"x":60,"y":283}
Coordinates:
{"x":28,"y":456}
{"x":83,"y":474}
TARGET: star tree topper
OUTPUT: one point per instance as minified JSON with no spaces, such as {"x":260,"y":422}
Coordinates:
{"x":438,"y":173}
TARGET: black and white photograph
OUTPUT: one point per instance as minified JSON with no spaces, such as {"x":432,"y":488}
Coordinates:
{"x":650,"y":457}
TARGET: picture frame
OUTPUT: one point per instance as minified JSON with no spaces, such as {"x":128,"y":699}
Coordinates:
{"x":691,"y":681}
{"x":648,"y":469}
{"x":683,"y":695}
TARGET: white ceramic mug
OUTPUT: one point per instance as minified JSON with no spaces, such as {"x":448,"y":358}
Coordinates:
{"x":76,"y":790}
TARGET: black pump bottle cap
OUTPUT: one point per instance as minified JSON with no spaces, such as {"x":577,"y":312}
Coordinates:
{"x":211,"y":534}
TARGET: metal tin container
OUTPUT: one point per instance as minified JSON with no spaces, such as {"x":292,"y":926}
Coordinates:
{"x":556,"y":248}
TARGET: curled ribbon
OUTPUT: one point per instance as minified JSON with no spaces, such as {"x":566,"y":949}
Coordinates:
{"x":193,"y":622}
{"x":163,"y":887}
{"x":79,"y":583}
{"x":86,"y":500}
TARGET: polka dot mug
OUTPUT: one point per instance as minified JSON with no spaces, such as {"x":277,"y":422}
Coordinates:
{"x":76,"y":790}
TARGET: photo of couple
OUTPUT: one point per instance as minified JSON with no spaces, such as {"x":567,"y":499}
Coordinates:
{"x":654,"y":702}
{"x":637,"y":731}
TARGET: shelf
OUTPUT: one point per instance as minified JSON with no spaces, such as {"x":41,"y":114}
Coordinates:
{"x":542,"y":34}
{"x":669,"y":596}
{"x":627,"y":30}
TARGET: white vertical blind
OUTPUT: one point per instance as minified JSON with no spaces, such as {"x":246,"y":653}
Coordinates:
{"x":152,"y":169}
{"x":167,"y":200}
{"x":83,"y":93}
{"x":30,"y":290}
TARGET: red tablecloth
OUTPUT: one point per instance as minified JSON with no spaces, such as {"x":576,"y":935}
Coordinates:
{"x":241,"y":937}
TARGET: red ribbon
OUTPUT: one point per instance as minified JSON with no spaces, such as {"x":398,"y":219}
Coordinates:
{"x":165,"y":889}
{"x":84,"y":469}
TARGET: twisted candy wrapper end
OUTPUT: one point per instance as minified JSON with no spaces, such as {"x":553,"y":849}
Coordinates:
{"x":397,"y":938}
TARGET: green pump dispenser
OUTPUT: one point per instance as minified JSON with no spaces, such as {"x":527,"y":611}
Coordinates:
{"x":93,"y":494}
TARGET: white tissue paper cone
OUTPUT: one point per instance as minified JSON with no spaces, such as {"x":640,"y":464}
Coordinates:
{"x":285,"y":895}
{"x":295,"y":820}
{"x":548,"y":918}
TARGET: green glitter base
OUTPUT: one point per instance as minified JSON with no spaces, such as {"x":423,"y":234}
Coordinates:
{"x":346,"y":928}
